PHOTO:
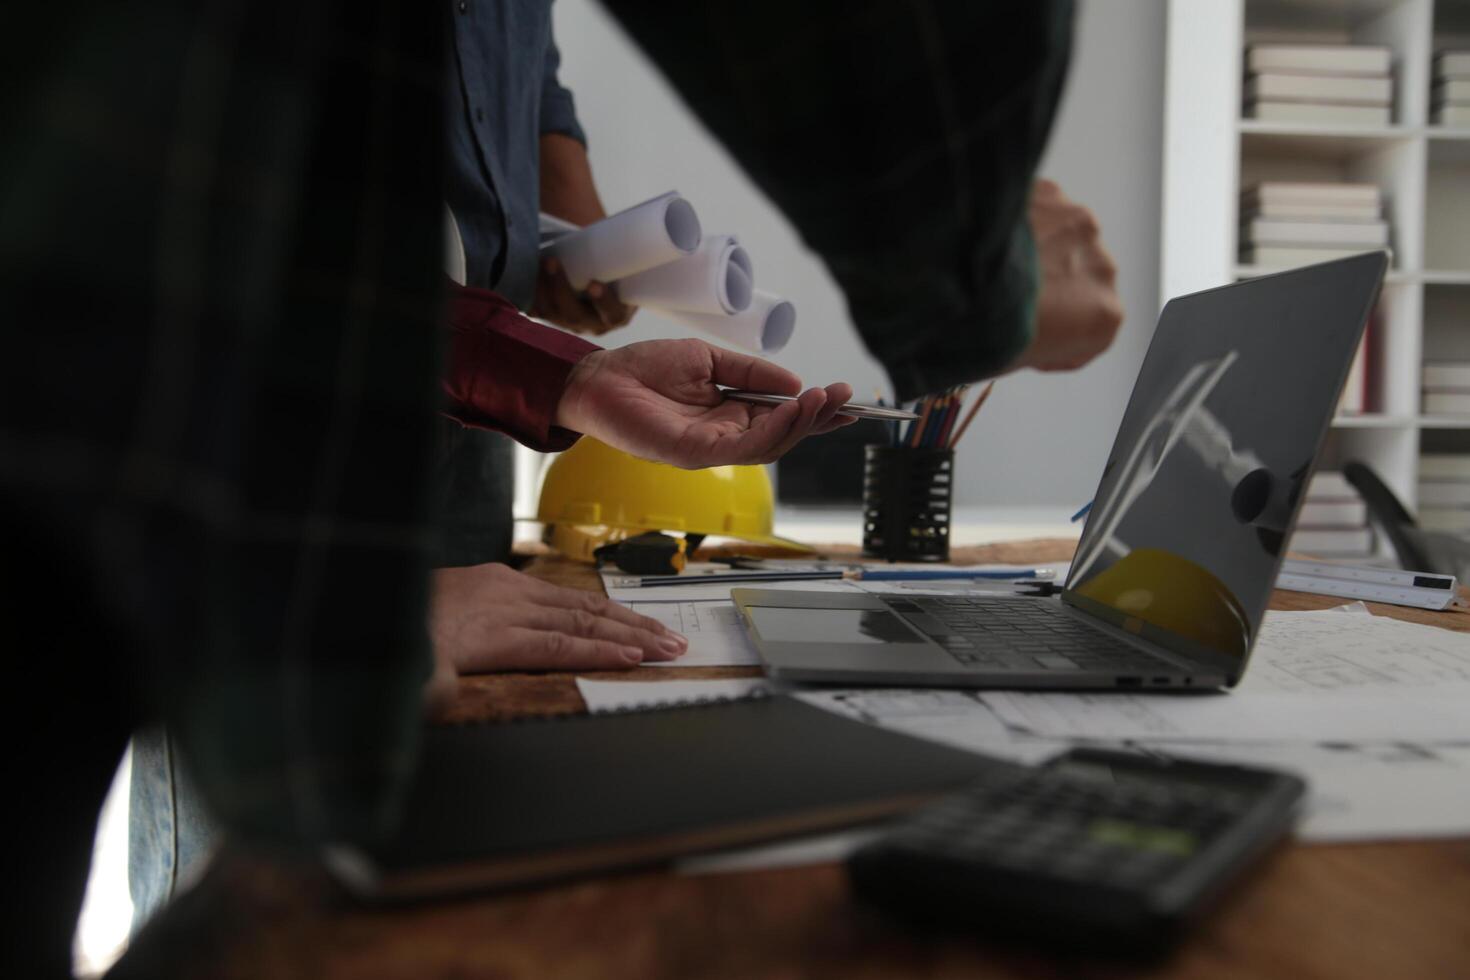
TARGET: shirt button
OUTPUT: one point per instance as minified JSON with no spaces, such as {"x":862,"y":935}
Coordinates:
{"x":463,"y":6}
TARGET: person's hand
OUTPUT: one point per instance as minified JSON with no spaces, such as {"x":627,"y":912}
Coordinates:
{"x":490,"y":618}
{"x":596,"y":310}
{"x":658,"y":400}
{"x":1078,"y":311}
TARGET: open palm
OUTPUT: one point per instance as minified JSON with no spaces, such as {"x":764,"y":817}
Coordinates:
{"x":660,"y":400}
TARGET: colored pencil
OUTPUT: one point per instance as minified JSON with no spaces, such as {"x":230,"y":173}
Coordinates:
{"x":916,"y":430}
{"x":970,"y":416}
{"x":953,"y":416}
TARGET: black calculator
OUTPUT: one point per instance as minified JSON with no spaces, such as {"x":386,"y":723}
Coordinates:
{"x":1096,"y":850}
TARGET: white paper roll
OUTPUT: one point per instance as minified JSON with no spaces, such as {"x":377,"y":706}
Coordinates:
{"x":765,"y":326}
{"x":716,"y":279}
{"x":646,"y":235}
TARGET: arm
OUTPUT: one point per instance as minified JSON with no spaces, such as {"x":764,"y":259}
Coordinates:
{"x":506,"y":372}
{"x":1078,"y":311}
{"x":568,"y":192}
{"x":911,"y":181}
{"x":658,"y":399}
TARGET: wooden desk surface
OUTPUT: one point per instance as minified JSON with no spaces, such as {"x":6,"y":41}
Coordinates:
{"x":1370,"y":910}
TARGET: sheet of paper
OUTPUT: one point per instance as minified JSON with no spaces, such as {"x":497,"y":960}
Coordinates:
{"x":1359,"y":790}
{"x":716,"y":636}
{"x":954,"y":718}
{"x":646,"y":235}
{"x":715,"y":279}
{"x":765,"y":326}
{"x":629,"y":695}
{"x":695,"y":591}
{"x":1313,"y":676}
{"x":1243,"y":718}
{"x":1300,"y":652}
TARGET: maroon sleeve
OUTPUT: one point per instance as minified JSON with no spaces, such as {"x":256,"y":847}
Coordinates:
{"x":506,"y":372}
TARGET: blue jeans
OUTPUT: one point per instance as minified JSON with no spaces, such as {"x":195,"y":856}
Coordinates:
{"x":169,"y":831}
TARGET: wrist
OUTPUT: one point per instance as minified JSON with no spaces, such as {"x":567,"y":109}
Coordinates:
{"x":569,"y":413}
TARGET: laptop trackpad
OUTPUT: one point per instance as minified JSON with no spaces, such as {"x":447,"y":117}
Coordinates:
{"x":844,"y":626}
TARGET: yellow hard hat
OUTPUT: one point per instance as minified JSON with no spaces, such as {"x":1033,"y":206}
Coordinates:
{"x":593,"y":494}
{"x":1164,"y":589}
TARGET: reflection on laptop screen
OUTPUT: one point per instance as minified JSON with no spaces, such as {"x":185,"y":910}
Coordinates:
{"x":1229,"y":410}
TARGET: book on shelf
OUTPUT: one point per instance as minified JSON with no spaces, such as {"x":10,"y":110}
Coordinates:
{"x":1323,"y":194}
{"x":1447,"y":374}
{"x":1444,"y":493}
{"x":1444,"y":466}
{"x":1277,"y":231}
{"x":1336,"y":542}
{"x":1452,"y":115}
{"x":1332,"y":513}
{"x":1289,"y":257}
{"x":1354,"y":397}
{"x":1451,"y":91}
{"x":1319,"y":114}
{"x":1455,"y":520}
{"x":1345,"y":89}
{"x":1446,"y":402}
{"x":1299,"y":211}
{"x":1329,"y":485}
{"x":1333,"y":518}
{"x":1319,"y":59}
{"x":1452,"y":64}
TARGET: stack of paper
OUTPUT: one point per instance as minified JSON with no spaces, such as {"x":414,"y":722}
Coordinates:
{"x":657,"y":256}
{"x":1324,"y":84}
{"x":1451,"y":95}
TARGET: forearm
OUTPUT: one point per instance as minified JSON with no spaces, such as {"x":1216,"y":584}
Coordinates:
{"x":567,"y":190}
{"x":506,"y":372}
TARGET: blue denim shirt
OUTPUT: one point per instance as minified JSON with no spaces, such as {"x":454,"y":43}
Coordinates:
{"x":503,"y":68}
{"x":501,"y":97}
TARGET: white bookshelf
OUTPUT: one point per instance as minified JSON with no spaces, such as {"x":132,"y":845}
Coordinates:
{"x":1210,"y":152}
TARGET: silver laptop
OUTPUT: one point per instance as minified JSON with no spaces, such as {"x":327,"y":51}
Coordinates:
{"x":1185,"y":536}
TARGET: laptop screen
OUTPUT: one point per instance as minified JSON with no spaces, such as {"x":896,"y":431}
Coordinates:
{"x":1230,"y":408}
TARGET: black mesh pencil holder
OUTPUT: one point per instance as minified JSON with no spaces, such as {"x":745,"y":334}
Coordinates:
{"x":906,"y":496}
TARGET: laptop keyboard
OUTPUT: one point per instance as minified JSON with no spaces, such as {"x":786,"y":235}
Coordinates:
{"x":1027,"y":634}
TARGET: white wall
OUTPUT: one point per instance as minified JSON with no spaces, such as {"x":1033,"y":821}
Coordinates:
{"x":1041,"y":440}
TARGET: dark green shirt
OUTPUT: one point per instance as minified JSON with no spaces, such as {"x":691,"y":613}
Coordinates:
{"x":901,"y":139}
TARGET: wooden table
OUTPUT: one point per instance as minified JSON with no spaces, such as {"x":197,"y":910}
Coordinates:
{"x":1399,"y":910}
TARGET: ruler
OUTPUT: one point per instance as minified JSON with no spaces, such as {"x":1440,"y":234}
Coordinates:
{"x":1424,"y":590}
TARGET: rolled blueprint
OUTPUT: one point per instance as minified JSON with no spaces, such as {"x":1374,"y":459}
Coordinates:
{"x":716,"y":279}
{"x":764,"y":327}
{"x":645,"y":235}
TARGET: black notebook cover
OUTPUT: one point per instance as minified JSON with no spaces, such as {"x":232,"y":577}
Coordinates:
{"x":497,"y":805}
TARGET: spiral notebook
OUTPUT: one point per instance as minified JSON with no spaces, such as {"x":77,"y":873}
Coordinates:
{"x":509,"y":804}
